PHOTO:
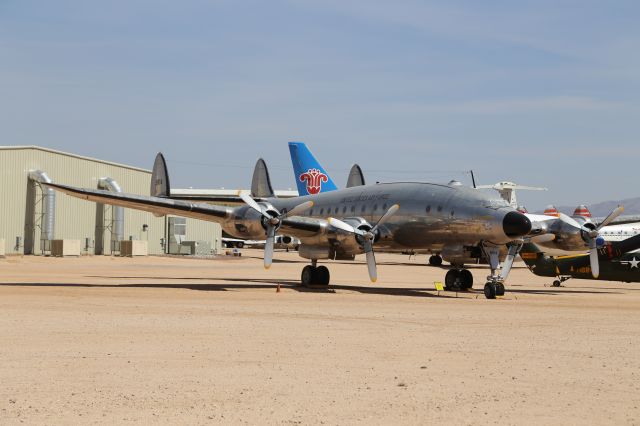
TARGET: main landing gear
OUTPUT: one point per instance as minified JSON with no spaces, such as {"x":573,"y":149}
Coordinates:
{"x":435,"y":260}
{"x":458,"y":279}
{"x":315,"y":275}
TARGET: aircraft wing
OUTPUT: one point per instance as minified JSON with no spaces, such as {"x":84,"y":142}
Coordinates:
{"x":295,"y":226}
{"x":620,"y":220}
{"x":156,"y":205}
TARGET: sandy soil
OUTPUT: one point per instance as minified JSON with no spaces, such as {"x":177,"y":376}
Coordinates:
{"x":183,"y":341}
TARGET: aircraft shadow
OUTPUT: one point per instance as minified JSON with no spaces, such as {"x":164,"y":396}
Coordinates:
{"x":241,"y":283}
{"x":557,"y":291}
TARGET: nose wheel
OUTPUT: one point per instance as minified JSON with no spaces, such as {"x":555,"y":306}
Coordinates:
{"x":435,"y":260}
{"x":315,"y":275}
{"x":493,"y":289}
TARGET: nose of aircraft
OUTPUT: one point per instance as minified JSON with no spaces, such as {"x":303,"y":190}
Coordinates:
{"x":516,"y":224}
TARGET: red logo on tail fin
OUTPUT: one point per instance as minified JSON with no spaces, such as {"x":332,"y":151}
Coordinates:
{"x":314,"y":179}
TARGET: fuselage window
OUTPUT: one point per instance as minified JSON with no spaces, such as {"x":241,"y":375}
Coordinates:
{"x":375,"y":207}
{"x":452,"y":213}
{"x":428,"y":209}
{"x":311,"y":212}
{"x":353,"y":209}
{"x":344,"y":209}
{"x":439,"y":208}
{"x":321,"y":211}
{"x":384,"y":207}
{"x":337,"y":210}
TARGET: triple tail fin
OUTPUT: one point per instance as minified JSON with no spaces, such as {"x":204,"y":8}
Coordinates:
{"x":356,"y":177}
{"x":160,"y":186}
{"x":261,"y":182}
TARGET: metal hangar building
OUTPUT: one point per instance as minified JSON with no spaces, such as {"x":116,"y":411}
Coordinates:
{"x":36,"y":220}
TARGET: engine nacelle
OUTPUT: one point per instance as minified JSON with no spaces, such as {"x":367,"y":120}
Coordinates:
{"x":308,"y":251}
{"x":248,"y":223}
{"x":314,"y":252}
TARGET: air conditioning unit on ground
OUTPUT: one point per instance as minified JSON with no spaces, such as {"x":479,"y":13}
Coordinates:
{"x":61,"y":248}
{"x":195,"y":248}
{"x":132,"y":248}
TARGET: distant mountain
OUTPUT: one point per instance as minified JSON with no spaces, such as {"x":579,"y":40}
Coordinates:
{"x":631,"y":207}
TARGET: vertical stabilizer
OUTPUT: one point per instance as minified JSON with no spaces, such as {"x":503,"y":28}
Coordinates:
{"x":551,"y":210}
{"x":582,"y":211}
{"x":311,"y":178}
{"x":356,"y":177}
{"x":261,"y":182}
{"x":160,"y":178}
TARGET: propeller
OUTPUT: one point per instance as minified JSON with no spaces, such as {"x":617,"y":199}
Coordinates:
{"x":591,"y":235}
{"x":273,"y":222}
{"x":367,"y":237}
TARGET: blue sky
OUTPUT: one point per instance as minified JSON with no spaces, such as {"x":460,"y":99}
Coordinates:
{"x":543,"y":93}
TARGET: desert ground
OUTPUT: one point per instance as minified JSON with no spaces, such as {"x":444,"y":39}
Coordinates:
{"x":163,"y":340}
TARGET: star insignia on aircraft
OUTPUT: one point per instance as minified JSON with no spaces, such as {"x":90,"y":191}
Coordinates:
{"x":633,"y":263}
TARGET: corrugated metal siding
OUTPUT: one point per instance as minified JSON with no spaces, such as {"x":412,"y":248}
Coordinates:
{"x":75,"y":218}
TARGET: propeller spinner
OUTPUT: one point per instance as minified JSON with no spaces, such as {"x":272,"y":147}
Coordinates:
{"x":367,"y":238}
{"x":272,"y":223}
{"x":591,"y":235}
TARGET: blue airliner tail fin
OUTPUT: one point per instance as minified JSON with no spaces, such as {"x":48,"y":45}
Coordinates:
{"x":310,"y":176}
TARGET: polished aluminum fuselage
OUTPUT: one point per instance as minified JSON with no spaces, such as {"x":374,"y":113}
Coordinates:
{"x":431,"y":216}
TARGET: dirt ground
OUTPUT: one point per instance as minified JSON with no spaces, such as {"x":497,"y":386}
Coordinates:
{"x":184,"y":341}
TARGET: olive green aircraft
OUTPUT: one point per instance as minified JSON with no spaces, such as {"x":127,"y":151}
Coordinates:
{"x":617,"y":259}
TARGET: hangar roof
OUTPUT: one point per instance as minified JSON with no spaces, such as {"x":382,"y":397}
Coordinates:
{"x":54,"y":151}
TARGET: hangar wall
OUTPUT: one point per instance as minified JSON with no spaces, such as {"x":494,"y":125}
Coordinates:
{"x":74,"y":218}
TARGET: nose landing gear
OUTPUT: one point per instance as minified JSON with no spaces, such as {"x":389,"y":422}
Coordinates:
{"x":435,"y":260}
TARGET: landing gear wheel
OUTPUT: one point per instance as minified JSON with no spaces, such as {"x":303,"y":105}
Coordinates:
{"x":239,"y":244}
{"x":435,"y":260}
{"x":322,"y":275}
{"x":451,"y":280}
{"x":556,"y":283}
{"x":466,"y":279}
{"x":490,"y":290}
{"x":499,"y":289}
{"x":307,"y":276}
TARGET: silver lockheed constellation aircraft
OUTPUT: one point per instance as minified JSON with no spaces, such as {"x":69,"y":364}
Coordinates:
{"x":345,"y":222}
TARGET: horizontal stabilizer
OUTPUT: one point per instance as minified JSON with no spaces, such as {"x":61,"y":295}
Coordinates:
{"x":356,"y":177}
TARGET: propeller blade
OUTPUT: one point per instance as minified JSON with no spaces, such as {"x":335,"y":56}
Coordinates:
{"x":593,"y":259}
{"x":337,"y":223}
{"x":300,"y":208}
{"x":268,"y":246}
{"x":615,"y":213}
{"x":371,"y":261}
{"x":569,"y":220}
{"x":385,"y":217}
{"x":252,"y":203}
